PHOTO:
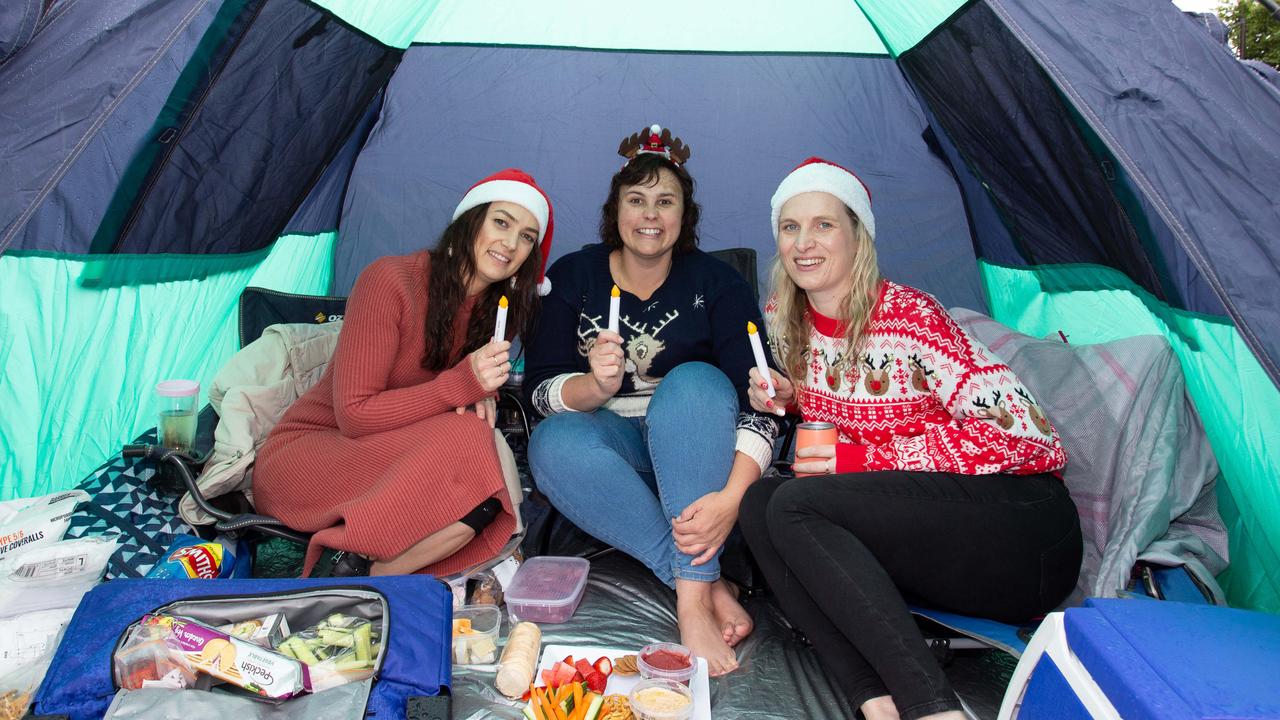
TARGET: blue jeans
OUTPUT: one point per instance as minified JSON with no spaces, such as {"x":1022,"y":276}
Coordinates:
{"x":623,"y":480}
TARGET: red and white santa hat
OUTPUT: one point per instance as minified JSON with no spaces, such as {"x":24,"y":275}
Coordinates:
{"x":516,"y":186}
{"x":818,"y":175}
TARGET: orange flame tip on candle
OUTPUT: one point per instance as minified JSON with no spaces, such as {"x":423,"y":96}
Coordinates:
{"x":615,"y":292}
{"x":751,"y":328}
{"x":502,"y":301}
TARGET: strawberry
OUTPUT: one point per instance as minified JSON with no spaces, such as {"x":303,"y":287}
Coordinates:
{"x":604,"y":666}
{"x":527,"y":694}
{"x":596,"y":682}
{"x":568,"y":660}
{"x":584,"y":667}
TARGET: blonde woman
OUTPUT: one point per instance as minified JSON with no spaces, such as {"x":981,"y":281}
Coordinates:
{"x":942,"y":489}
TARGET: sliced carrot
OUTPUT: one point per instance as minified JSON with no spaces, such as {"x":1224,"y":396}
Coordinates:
{"x":577,"y":698}
{"x":561,"y":694}
{"x":536,"y":704}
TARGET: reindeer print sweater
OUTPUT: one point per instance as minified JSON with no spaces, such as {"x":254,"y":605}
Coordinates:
{"x":922,"y":394}
{"x":699,"y":313}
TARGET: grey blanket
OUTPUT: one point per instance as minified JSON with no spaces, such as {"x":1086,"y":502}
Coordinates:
{"x":1139,"y":466}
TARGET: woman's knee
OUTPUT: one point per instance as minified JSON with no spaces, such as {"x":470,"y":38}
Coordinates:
{"x":693,"y":387}
{"x":558,"y":437}
{"x":797,"y":500}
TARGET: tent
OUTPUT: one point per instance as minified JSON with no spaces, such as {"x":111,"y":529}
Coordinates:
{"x":1104,"y":169}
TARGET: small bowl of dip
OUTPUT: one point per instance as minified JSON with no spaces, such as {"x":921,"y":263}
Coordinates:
{"x":667,"y":661}
{"x":661,"y":700}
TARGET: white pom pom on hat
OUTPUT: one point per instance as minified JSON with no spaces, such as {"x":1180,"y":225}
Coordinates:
{"x":818,"y":175}
{"x":516,"y":186}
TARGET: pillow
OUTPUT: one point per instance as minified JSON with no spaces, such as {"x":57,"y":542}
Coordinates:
{"x":1139,"y":466}
{"x":260,"y":307}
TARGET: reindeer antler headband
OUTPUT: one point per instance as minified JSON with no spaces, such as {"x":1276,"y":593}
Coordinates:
{"x":655,"y":140}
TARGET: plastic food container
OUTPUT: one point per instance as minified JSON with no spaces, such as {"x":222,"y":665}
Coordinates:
{"x":670,"y":667}
{"x":475,"y":634}
{"x":661,"y":700}
{"x":547,"y":589}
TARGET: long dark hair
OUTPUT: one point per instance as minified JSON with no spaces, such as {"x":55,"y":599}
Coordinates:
{"x":643,"y":170}
{"x":452,"y":264}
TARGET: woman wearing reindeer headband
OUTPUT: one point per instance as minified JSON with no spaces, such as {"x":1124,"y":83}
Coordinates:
{"x":943,"y":485}
{"x":644,"y":446}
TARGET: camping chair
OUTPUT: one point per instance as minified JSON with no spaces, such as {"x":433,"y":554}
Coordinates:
{"x":259,"y":308}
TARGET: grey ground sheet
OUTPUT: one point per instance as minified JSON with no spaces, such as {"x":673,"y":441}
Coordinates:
{"x":779,"y":677}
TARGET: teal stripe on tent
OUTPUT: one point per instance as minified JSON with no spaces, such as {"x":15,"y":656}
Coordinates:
{"x":1237,"y":401}
{"x":75,"y":382}
{"x":903,"y":24}
{"x":762,"y":26}
{"x":390,"y":22}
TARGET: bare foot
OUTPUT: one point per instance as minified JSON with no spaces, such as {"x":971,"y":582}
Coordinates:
{"x":699,"y":629}
{"x":735,"y":621}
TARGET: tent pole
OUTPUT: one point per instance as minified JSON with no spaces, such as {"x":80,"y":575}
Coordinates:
{"x":1272,"y":7}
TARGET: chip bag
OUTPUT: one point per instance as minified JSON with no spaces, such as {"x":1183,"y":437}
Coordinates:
{"x":190,"y":557}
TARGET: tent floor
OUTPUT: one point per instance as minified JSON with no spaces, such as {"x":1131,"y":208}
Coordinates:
{"x":625,"y":606}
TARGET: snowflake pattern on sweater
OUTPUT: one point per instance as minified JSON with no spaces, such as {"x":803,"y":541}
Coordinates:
{"x":922,"y":395}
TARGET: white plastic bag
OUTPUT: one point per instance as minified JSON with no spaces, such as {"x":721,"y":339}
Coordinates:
{"x":30,"y":522}
{"x":52,"y":576}
{"x":27,"y":646}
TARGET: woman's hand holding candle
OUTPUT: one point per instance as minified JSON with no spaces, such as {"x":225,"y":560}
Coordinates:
{"x":758,"y":392}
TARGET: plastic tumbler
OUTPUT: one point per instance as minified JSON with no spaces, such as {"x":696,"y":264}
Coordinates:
{"x":176,"y":426}
{"x":813,"y":433}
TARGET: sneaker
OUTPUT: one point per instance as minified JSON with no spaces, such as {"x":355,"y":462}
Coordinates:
{"x":340,"y":563}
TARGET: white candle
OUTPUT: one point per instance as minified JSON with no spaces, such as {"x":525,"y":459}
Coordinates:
{"x":758,"y":350}
{"x":615,"y":304}
{"x":500,"y":327}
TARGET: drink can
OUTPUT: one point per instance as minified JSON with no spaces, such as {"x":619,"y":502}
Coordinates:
{"x":814,"y":433}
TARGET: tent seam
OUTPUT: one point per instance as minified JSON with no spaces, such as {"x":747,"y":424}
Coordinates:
{"x":61,"y":170}
{"x":1166,"y":213}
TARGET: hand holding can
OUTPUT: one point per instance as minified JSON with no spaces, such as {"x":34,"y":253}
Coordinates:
{"x":813,"y":435}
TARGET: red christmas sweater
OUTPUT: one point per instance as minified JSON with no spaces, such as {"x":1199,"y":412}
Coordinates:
{"x":922,"y":395}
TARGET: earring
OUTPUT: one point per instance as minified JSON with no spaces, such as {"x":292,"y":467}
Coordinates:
{"x":513,"y":283}
{"x":449,"y":251}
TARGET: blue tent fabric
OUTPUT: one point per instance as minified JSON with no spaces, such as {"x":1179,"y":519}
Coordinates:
{"x":64,"y":153}
{"x":18,"y":21}
{"x":417,"y":659}
{"x":559,"y":115}
{"x":1205,"y":154}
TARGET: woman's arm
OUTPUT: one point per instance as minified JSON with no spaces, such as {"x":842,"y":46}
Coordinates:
{"x":367,"y":348}
{"x":997,"y":427}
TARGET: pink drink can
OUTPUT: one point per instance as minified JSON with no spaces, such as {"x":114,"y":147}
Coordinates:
{"x":813,"y":433}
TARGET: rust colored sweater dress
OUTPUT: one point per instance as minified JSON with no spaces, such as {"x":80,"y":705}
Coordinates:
{"x":374,"y":457}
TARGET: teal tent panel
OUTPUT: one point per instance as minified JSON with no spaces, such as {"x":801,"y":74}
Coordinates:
{"x":86,"y":340}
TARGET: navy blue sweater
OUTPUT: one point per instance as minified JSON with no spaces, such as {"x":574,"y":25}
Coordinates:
{"x":699,"y":313}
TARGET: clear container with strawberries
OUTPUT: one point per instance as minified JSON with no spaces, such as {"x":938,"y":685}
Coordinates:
{"x":547,"y":589}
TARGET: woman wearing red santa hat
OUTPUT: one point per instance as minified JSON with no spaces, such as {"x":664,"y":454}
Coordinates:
{"x":390,"y":459}
{"x":942,"y":489}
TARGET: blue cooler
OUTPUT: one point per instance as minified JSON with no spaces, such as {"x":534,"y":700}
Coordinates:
{"x":1149,"y":660}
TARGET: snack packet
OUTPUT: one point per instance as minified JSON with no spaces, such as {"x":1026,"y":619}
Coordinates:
{"x":265,"y":631}
{"x":256,"y":669}
{"x":189,"y":557}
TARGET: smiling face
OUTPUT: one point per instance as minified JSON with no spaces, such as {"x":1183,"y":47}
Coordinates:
{"x":504,"y":241}
{"x":816,"y":242}
{"x":649,"y":216}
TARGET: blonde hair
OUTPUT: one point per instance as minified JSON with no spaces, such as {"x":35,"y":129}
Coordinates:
{"x":789,"y":334}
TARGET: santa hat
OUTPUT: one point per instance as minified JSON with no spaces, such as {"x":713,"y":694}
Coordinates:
{"x":818,"y":175}
{"x":516,"y":186}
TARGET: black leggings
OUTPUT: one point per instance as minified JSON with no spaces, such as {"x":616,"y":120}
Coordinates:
{"x":841,"y":553}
